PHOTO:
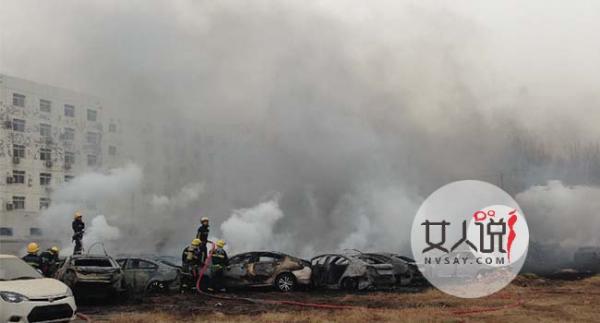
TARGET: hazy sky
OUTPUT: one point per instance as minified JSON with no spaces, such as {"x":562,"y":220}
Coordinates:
{"x":366,"y":105}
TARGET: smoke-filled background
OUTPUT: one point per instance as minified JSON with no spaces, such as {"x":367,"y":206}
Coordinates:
{"x":314,"y":126}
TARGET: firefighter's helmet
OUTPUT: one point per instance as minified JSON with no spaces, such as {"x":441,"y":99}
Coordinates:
{"x":33,"y":247}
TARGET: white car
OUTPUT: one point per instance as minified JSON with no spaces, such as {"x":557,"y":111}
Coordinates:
{"x":26,"y":296}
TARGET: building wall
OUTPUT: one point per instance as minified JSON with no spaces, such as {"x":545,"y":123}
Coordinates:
{"x":105,"y":129}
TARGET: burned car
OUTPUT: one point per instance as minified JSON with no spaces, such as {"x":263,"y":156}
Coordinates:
{"x":149,"y":275}
{"x":263,"y":268}
{"x":349,"y":272}
{"x":405,"y":270}
{"x":92,"y":275}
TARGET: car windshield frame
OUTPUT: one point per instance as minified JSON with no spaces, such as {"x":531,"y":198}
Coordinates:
{"x":15,"y":268}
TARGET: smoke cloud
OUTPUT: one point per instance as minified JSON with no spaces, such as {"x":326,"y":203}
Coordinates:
{"x":352,"y":111}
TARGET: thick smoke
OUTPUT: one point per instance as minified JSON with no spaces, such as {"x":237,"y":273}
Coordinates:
{"x":352,"y":111}
{"x":564,"y":215}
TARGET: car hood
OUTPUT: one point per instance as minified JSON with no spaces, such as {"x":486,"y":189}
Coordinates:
{"x":34,"y":288}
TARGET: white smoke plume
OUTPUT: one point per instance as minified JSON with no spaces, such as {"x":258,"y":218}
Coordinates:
{"x":561,"y":214}
{"x":253,"y":228}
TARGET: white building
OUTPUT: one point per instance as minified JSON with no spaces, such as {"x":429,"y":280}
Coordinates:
{"x":48,"y":135}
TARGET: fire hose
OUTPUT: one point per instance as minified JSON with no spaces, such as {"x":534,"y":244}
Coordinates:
{"x":324,"y":305}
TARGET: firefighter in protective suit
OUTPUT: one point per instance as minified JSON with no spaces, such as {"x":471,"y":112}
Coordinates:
{"x":202,"y":234}
{"x":49,"y":260}
{"x":190,"y":260}
{"x":78,"y":230}
{"x":219,"y":262}
{"x":32,"y":258}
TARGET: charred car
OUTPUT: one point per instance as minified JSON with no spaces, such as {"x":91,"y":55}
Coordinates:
{"x":92,"y":275}
{"x":145,"y":275}
{"x":262,"y":268}
{"x":405,"y":270}
{"x":350,"y":272}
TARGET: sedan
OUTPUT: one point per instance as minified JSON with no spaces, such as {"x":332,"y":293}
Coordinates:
{"x":26,"y":296}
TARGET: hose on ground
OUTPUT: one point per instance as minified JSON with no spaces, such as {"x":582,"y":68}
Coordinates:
{"x":328,"y":306}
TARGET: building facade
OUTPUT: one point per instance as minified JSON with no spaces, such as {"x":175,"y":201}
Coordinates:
{"x":48,"y":135}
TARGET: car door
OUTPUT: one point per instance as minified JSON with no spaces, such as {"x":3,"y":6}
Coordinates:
{"x":128,"y":275}
{"x":141,"y":270}
{"x":265,"y":266}
{"x":237,"y":271}
{"x":319,"y":272}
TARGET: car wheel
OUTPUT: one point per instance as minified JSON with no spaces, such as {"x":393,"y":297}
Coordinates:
{"x":154,"y":287}
{"x":350,"y":284}
{"x":407,"y":277}
{"x":285,"y":282}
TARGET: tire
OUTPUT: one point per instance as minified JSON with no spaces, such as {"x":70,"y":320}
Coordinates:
{"x":349,"y":284}
{"x":407,"y":278}
{"x":154,"y":287}
{"x":285,"y":282}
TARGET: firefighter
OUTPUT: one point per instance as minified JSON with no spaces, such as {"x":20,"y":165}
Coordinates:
{"x":78,"y":230}
{"x":32,"y":258}
{"x":49,"y":261}
{"x":202,"y":234}
{"x":219,"y":262}
{"x":190,"y":260}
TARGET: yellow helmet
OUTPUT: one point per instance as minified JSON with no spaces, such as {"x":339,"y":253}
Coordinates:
{"x":220,"y":243}
{"x":33,"y":247}
{"x":204,"y":219}
{"x":77,"y":215}
{"x":196,"y":242}
{"x":54,"y":249}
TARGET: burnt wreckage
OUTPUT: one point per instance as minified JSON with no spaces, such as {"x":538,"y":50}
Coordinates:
{"x":92,"y":275}
{"x":406,"y":271}
{"x":349,"y":272}
{"x":265,"y":268}
{"x":145,"y":275}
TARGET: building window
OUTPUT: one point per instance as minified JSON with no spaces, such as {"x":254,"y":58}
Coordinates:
{"x":112,"y":150}
{"x":69,"y":111}
{"x":69,"y":178}
{"x":19,"y":151}
{"x":44,"y":203}
{"x":112,"y":127}
{"x":35,"y":231}
{"x":45,"y":154}
{"x":18,"y":100}
{"x":19,"y":176}
{"x":4,"y":231}
{"x":92,"y":115}
{"x":91,"y":160}
{"x":18,"y":125}
{"x":45,"y":106}
{"x":69,"y":134}
{"x":45,"y":179}
{"x":19,"y":202}
{"x":92,"y":138}
{"x":45,"y":130}
{"x":69,"y":158}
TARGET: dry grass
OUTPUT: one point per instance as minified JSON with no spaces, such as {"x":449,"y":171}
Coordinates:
{"x":542,"y":301}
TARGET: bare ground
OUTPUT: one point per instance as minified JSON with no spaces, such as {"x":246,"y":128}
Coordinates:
{"x":528,"y":298}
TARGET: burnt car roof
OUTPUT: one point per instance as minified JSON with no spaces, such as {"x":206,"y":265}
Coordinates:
{"x":91,"y":257}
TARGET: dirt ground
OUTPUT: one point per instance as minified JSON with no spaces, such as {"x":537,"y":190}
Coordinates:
{"x":528,"y":298}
